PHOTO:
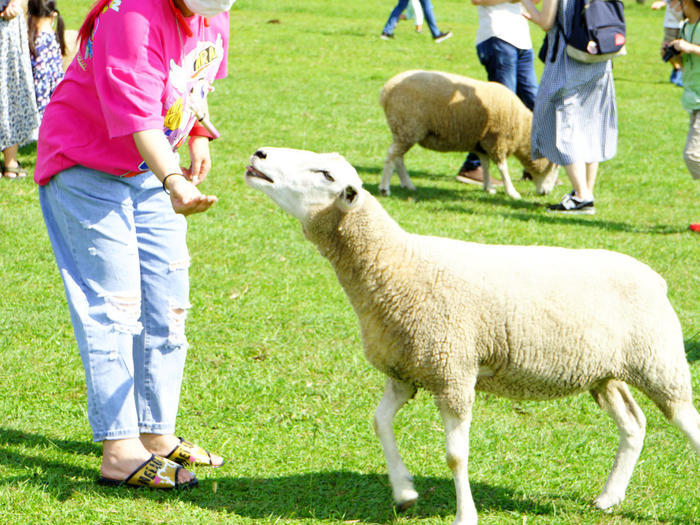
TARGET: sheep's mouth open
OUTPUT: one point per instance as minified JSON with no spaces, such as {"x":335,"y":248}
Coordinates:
{"x":252,"y":172}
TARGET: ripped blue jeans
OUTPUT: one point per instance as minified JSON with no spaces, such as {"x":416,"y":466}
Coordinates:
{"x":122,"y":254}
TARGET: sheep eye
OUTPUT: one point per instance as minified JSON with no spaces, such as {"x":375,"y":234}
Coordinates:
{"x":327,"y":175}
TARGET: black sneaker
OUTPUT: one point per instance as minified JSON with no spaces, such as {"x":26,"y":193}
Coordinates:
{"x":386,"y":36}
{"x":442,"y":36}
{"x":573,"y":205}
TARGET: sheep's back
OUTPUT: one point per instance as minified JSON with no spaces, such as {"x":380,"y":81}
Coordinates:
{"x":447,"y":112}
{"x":552,"y":321}
{"x":518,"y":314}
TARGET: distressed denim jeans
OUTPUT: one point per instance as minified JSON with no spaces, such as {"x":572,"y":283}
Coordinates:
{"x":122,"y":254}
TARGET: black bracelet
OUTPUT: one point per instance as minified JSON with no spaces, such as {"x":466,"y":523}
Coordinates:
{"x":166,"y":178}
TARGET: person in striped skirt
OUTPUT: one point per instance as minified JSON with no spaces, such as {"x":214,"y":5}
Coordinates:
{"x":574,"y":122}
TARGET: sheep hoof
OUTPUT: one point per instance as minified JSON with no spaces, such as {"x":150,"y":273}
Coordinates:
{"x":605,"y":502}
{"x":514,"y":195}
{"x":409,"y":186}
{"x":384,"y":192}
{"x":405,"y":505}
{"x":490,"y":191}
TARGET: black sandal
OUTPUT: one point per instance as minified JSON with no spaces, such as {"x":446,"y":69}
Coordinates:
{"x":17,"y":171}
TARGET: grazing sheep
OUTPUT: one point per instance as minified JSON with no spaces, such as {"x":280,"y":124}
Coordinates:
{"x":458,"y":317}
{"x":446,"y":112}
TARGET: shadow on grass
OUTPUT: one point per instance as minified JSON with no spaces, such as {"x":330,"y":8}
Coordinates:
{"x":330,"y":495}
{"x":692,"y":348}
{"x":522,"y":210}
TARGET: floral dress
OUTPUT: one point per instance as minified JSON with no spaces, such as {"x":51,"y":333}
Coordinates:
{"x":47,"y":68}
{"x":18,"y":114}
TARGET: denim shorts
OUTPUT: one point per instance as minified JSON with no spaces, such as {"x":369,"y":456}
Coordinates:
{"x":122,"y":254}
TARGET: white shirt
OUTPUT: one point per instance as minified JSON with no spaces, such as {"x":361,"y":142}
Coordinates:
{"x":672,"y":19}
{"x":504,"y":21}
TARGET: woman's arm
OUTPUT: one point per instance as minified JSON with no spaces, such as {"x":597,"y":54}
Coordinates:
{"x":157,"y":152}
{"x":685,"y":47}
{"x":544,"y":18}
{"x":11,"y":11}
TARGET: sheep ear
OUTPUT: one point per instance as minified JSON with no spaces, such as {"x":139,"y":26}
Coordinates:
{"x":348,"y":198}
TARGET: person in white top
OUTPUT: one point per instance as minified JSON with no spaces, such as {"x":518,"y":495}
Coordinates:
{"x":504,"y":48}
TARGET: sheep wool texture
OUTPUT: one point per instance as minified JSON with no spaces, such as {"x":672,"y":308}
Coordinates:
{"x":447,"y":112}
{"x":437,"y":313}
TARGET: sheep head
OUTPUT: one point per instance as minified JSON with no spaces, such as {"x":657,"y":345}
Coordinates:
{"x":544,"y":174}
{"x":303,"y":183}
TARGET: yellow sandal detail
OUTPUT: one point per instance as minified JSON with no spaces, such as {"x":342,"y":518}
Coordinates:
{"x":189,"y":454}
{"x":157,"y":473}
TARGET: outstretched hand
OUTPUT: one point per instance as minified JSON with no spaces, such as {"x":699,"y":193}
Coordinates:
{"x":186,"y":198}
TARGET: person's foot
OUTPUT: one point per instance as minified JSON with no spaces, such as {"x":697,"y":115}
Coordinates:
{"x":386,"y":36}
{"x":419,"y":28}
{"x":695,"y":227}
{"x":677,"y":77}
{"x":122,"y":457}
{"x":572,"y":205}
{"x":12,"y":170}
{"x":475,"y":176}
{"x":442,"y":36}
{"x":164,"y":444}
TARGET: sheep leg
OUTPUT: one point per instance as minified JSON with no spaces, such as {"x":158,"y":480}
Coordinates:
{"x":395,"y":396}
{"x":687,"y":419}
{"x":486,"y":173}
{"x":457,"y":445}
{"x":404,"y":179}
{"x":615,"y":398}
{"x":507,"y":184}
{"x":394,"y":159}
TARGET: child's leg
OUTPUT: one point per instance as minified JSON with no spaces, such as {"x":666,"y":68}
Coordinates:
{"x":691,"y":152}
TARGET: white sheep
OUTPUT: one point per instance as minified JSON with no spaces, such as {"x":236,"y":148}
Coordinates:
{"x":458,"y":317}
{"x":447,"y":112}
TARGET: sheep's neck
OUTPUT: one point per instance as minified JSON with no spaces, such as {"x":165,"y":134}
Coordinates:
{"x":532,"y":166}
{"x":366,"y":248}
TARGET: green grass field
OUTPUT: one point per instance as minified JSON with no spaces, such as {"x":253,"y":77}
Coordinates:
{"x":276,"y":378}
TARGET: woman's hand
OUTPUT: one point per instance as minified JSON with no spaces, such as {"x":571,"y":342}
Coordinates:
{"x":200,"y":159}
{"x":186,"y":198}
{"x":11,"y":11}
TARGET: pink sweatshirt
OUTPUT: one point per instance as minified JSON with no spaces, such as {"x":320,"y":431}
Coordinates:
{"x":140,"y":70}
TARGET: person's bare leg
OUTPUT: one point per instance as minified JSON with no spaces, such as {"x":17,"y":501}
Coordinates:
{"x":10,"y":159}
{"x":577,"y":174}
{"x":591,"y":172}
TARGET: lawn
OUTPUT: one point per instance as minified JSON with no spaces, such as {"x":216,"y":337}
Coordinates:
{"x":276,"y":379}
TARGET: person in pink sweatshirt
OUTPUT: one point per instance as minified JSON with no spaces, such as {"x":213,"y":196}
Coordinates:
{"x":114,"y":198}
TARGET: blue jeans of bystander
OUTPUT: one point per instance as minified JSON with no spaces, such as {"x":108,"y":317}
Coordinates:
{"x":511,"y":66}
{"x":401,"y":6}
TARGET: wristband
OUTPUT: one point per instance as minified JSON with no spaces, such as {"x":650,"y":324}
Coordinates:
{"x":166,"y":178}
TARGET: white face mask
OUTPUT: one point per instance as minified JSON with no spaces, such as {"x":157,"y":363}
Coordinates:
{"x":209,"y":8}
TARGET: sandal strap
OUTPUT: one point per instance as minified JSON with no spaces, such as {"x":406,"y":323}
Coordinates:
{"x":156,"y":472}
{"x":187,"y":453}
{"x":14,"y":169}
